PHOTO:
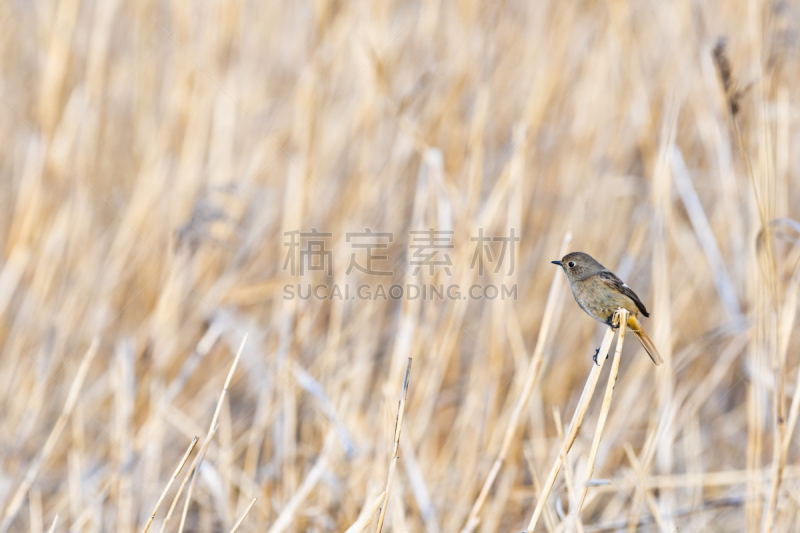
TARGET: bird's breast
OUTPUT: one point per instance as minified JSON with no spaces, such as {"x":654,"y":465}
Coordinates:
{"x":600,"y":300}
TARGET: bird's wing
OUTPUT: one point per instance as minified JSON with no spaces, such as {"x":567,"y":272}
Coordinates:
{"x":612,"y":280}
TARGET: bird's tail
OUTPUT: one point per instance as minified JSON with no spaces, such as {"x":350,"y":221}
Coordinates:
{"x":647,"y":344}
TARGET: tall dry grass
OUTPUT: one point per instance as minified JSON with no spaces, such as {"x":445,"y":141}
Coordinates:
{"x":154,"y":153}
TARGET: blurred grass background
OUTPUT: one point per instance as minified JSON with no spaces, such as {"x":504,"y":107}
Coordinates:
{"x":154,"y":153}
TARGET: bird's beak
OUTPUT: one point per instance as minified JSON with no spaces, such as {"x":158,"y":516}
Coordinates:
{"x":556,"y":263}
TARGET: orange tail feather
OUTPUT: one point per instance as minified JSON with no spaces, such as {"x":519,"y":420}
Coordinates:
{"x":636,"y":327}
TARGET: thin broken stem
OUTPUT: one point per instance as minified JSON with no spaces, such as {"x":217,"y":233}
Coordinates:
{"x":169,"y":484}
{"x":241,"y":518}
{"x":396,"y":451}
{"x":210,"y":431}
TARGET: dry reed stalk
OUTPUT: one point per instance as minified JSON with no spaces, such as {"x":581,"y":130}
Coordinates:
{"x":537,"y":487}
{"x":53,"y":525}
{"x":214,"y":419}
{"x":662,"y":307}
{"x":707,"y":479}
{"x":10,"y":275}
{"x":124,"y":393}
{"x":396,"y":450}
{"x":204,"y":346}
{"x":788,"y":317}
{"x":530,"y":382}
{"x":641,"y":490}
{"x":75,"y":461}
{"x":307,"y":382}
{"x":366,"y":514}
{"x":684,"y":481}
{"x":82,"y":519}
{"x":702,"y":228}
{"x":52,"y":438}
{"x":764,"y":343}
{"x":284,"y":520}
{"x":620,"y":524}
{"x":642,"y":466}
{"x":255,"y":437}
{"x":778,"y":460}
{"x":186,"y":478}
{"x":399,"y":517}
{"x":784,"y":430}
{"x":575,"y":425}
{"x":763,"y":184}
{"x":601,"y":422}
{"x":244,"y":515}
{"x":419,"y":488}
{"x":572,"y":521}
{"x":35,"y":510}
{"x":169,"y":483}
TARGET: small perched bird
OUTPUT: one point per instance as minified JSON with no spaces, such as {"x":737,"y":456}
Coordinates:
{"x":600,"y":293}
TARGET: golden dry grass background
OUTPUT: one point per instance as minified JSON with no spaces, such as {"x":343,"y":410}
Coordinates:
{"x":154,"y":153}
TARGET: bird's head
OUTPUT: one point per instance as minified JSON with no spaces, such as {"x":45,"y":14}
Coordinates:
{"x":578,"y":266}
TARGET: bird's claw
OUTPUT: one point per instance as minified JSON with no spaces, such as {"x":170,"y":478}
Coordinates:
{"x":594,"y":357}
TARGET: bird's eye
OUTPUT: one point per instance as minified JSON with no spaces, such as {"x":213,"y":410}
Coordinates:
{"x":571,"y":264}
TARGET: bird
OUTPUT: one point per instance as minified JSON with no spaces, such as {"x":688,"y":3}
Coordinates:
{"x":600,"y":293}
